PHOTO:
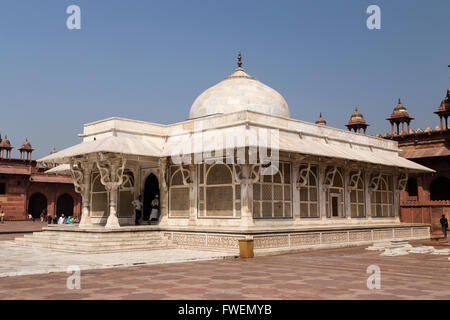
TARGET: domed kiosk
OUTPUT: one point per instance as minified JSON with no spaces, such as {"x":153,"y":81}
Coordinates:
{"x":326,"y":186}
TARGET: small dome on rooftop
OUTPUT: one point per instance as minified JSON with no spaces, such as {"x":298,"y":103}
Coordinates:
{"x":26,"y":145}
{"x":399,"y":108}
{"x":321,"y":121}
{"x":5,"y":142}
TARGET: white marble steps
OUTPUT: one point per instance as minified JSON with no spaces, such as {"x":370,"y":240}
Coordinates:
{"x":94,"y":242}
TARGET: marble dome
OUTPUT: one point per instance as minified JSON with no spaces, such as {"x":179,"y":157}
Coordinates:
{"x":239,"y":92}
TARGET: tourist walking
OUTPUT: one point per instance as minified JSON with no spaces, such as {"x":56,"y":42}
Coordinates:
{"x":137,"y":204}
{"x":444,"y":224}
{"x":155,"y":209}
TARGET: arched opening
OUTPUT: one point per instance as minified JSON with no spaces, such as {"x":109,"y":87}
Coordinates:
{"x":151,"y":189}
{"x":440,"y":189}
{"x":36,"y":204}
{"x":411,"y":187}
{"x":335,"y":196}
{"x":64,"y":205}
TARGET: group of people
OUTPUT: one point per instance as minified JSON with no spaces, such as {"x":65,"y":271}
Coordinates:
{"x":45,"y":217}
{"x":154,"y":213}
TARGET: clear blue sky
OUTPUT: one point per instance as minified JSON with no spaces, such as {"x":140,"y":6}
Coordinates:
{"x":149,"y":60}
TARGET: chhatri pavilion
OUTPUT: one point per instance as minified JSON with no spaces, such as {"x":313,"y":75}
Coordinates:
{"x":240,"y":166}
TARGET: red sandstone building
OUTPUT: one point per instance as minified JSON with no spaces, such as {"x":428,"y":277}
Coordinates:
{"x":25,"y":188}
{"x":427,"y":195}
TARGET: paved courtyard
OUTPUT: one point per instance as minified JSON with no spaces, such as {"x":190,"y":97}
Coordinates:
{"x":13,"y":229}
{"x":25,"y":261}
{"x":325,"y":274}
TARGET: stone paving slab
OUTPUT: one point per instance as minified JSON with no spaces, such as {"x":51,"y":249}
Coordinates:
{"x":325,"y":274}
{"x":9,"y":227}
{"x":16,"y":261}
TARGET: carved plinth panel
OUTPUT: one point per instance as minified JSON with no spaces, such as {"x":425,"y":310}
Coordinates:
{"x":223,"y":241}
{"x":298,"y":240}
{"x":421,"y":232}
{"x":262,"y":242}
{"x":382,"y":234}
{"x":334,"y":237}
{"x":189,"y":239}
{"x":360,"y":236}
{"x":402,"y":233}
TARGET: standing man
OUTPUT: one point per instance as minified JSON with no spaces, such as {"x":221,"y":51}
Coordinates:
{"x":2,"y":216}
{"x":155,"y":210}
{"x":444,"y":224}
{"x":137,"y":204}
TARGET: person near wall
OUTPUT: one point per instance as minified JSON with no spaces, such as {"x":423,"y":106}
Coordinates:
{"x":155,"y":209}
{"x":137,"y":204}
{"x":2,"y":216}
{"x":444,"y":224}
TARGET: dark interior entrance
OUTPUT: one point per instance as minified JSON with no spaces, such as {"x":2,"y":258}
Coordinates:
{"x":150,"y":191}
{"x":36,"y":204}
{"x":334,"y":206}
{"x":64,"y":205}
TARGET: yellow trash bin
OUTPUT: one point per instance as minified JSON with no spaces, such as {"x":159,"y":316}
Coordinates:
{"x":246,"y":248}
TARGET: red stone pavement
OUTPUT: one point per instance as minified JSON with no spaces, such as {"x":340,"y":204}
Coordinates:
{"x":324,"y":274}
{"x":12,"y":229}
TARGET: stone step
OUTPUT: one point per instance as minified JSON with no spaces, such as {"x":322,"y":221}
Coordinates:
{"x":44,"y":241}
{"x":43,"y":235}
{"x":100,"y":234}
{"x":98,"y":249}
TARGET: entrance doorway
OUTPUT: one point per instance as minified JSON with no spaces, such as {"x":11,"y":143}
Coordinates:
{"x":334,"y":206}
{"x":151,"y":189}
{"x":36,"y":204}
{"x":64,"y":205}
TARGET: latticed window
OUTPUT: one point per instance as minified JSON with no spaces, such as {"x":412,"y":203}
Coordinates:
{"x":126,"y":195}
{"x":179,"y":203}
{"x":382,"y":198}
{"x":357,"y":205}
{"x":218,"y":194}
{"x":272,"y":194}
{"x":99,"y":197}
{"x":309,"y":195}
{"x":335,"y":195}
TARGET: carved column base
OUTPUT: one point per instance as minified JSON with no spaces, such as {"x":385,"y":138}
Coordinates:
{"x":85,"y":221}
{"x":112,"y":222}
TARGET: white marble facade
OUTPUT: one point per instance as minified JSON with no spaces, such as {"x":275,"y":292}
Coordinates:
{"x":325,"y":176}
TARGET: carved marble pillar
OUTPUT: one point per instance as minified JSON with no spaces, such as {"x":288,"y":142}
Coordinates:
{"x":295,"y":192}
{"x":347,"y":207}
{"x":322,"y":191}
{"x":246,"y":175}
{"x":81,"y":176}
{"x":164,"y":191}
{"x":193,"y":183}
{"x":400,"y":180}
{"x":373,"y":180}
{"x":111,"y":176}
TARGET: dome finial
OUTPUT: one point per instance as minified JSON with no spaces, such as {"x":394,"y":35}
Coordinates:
{"x":239,"y":59}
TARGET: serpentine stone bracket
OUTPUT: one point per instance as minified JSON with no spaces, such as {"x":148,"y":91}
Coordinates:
{"x":303,"y":175}
{"x":402,"y":180}
{"x":111,"y":170}
{"x":329,"y":177}
{"x":354,"y":178}
{"x":187,"y":180}
{"x":247,"y":174}
{"x":374,"y":181}
{"x":77,"y":169}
